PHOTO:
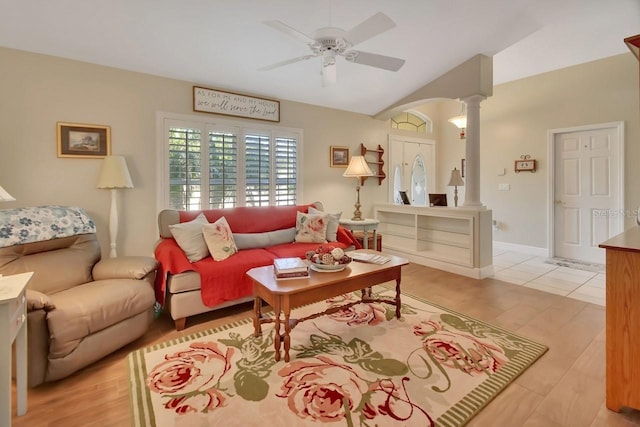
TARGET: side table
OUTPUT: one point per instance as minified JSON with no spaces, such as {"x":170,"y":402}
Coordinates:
{"x":13,"y":327}
{"x":365,"y":225}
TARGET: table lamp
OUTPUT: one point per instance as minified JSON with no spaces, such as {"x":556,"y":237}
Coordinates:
{"x":357,"y":168}
{"x":455,"y":182}
{"x":114,"y":175}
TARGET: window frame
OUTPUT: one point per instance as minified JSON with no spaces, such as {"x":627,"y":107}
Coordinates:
{"x":166,"y":120}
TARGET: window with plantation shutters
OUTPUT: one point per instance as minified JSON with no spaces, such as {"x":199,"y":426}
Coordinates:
{"x":258,"y":170}
{"x":224,"y":164}
{"x":184,"y":168}
{"x":223,"y":170}
{"x":286,"y":168}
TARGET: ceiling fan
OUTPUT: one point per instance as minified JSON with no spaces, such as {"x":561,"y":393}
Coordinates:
{"x":330,"y":42}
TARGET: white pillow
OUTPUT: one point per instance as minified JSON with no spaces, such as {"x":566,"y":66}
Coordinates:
{"x":332,"y":226}
{"x":189,"y":237}
{"x":219,"y":239}
{"x":311,"y":228}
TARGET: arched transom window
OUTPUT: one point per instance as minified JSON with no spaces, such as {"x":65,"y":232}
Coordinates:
{"x":412,"y":121}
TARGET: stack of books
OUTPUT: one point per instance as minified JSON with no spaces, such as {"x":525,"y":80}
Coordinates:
{"x":290,"y":268}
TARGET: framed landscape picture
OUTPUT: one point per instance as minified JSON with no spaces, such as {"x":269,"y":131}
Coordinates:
{"x":339,"y":157}
{"x":83,"y":141}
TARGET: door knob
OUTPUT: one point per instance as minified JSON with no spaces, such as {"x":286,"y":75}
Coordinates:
{"x":558,"y":202}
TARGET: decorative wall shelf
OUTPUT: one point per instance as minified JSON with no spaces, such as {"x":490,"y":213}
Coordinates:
{"x":375,"y":161}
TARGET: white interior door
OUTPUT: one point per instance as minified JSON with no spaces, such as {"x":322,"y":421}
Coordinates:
{"x":588,"y":191}
{"x":404,"y":152}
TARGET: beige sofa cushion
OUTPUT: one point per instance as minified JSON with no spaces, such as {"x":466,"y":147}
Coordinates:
{"x":89,"y":308}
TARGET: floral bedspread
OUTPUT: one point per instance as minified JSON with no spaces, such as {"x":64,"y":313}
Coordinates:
{"x":34,"y":224}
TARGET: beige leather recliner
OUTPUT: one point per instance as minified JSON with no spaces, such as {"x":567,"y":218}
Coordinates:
{"x":80,"y":308}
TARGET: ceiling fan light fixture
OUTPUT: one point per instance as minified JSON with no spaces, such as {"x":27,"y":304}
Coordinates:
{"x":328,"y":70}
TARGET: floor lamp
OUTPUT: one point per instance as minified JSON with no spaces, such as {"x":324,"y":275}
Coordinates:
{"x":357,"y":168}
{"x":455,"y":182}
{"x":113,"y":176}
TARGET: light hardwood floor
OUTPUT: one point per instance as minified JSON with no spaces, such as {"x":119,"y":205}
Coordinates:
{"x":564,"y":388}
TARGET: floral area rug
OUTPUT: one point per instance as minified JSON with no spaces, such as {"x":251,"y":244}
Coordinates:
{"x":357,"y":367}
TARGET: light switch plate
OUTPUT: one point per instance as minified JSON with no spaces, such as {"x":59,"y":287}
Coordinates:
{"x":504,"y":187}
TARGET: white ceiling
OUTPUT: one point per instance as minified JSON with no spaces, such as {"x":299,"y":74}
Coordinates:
{"x":221,"y":43}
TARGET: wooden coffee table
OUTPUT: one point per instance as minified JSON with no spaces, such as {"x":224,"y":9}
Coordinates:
{"x":284,"y":295}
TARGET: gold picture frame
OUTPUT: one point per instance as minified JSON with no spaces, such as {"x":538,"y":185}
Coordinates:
{"x":339,"y":156}
{"x":77,"y":140}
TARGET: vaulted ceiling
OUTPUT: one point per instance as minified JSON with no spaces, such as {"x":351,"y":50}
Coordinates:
{"x":222,"y":43}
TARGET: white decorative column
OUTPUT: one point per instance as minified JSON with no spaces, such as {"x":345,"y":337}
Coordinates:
{"x":472,"y":155}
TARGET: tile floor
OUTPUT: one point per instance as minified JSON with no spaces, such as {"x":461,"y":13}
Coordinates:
{"x":532,"y":272}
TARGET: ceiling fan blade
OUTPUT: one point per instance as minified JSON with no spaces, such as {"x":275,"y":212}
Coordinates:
{"x":377,"y":24}
{"x":287,"y":62}
{"x":281,"y":26}
{"x":374,"y":60}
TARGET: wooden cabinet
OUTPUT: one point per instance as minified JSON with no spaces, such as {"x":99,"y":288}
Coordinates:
{"x":623,"y":320}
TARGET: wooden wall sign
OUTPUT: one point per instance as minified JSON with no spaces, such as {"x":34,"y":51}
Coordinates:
{"x":235,"y":104}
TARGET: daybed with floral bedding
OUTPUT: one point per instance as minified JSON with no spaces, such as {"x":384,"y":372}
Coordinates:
{"x":204,"y":255}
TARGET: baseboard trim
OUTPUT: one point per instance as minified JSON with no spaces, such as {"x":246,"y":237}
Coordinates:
{"x":474,"y":273}
{"x":530,"y":250}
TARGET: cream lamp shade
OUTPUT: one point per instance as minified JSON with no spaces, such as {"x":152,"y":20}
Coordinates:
{"x":455,"y":181}
{"x":357,"y":168}
{"x":114,"y":173}
{"x":4,"y":196}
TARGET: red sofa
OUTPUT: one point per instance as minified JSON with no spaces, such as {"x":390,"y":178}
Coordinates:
{"x":185,"y":289}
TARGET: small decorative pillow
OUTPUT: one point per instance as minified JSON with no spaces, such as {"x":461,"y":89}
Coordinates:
{"x":189,"y":237}
{"x":219,"y":239}
{"x":311,"y":228}
{"x":332,"y":226}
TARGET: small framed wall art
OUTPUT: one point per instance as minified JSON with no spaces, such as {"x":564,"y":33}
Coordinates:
{"x":339,"y":156}
{"x":83,"y":141}
{"x":527,"y":164}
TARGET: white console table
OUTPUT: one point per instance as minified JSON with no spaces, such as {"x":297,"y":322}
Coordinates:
{"x":13,"y":327}
{"x":458,"y":240}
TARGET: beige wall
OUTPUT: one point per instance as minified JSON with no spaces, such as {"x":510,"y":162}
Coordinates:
{"x":516,"y":121}
{"x":37,"y":91}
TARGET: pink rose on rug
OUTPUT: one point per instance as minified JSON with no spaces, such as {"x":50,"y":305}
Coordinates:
{"x":319,"y":389}
{"x":360,"y":314}
{"x":459,"y":350}
{"x":191,"y":376}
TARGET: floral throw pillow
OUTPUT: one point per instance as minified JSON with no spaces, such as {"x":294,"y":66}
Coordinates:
{"x":311,"y":228}
{"x":332,"y":225}
{"x":219,"y":239}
